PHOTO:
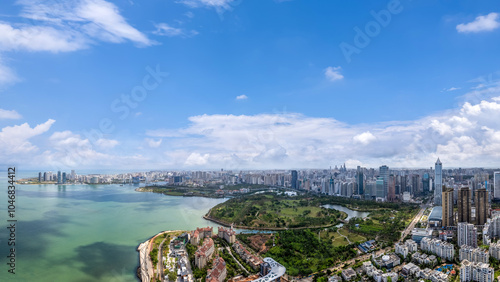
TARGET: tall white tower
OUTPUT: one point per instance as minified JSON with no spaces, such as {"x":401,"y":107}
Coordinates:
{"x":438,"y":183}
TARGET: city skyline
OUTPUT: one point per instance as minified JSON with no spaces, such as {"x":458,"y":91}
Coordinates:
{"x":248,"y":85}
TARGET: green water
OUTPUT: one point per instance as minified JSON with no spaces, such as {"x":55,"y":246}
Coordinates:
{"x":89,"y":233}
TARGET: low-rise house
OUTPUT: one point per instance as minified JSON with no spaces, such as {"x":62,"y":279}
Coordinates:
{"x":410,"y":269}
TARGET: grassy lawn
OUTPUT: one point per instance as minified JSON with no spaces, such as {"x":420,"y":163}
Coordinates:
{"x":273,"y":211}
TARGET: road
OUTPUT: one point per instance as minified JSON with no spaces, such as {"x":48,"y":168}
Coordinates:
{"x":413,"y":222}
{"x":241,"y":266}
{"x":159,"y":265}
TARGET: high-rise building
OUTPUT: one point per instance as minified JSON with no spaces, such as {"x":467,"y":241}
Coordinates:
{"x":425,"y":183}
{"x":380,"y":188}
{"x":438,"y":183}
{"x":415,"y":184}
{"x":467,"y":234}
{"x":39,"y":177}
{"x":384,"y":173}
{"x":64,"y":177}
{"x":360,"y":181}
{"x":391,"y":191}
{"x":46,"y":176}
{"x":481,"y":201}
{"x":496,"y":183}
{"x":59,"y":179}
{"x":295,"y":180}
{"x":447,"y":207}
{"x":464,"y":206}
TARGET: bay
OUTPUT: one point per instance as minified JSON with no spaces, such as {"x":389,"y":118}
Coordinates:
{"x":89,"y":232}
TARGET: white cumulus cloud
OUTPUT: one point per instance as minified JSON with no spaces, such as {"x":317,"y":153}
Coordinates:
{"x":333,"y":73}
{"x":481,"y":23}
{"x":242,"y":97}
{"x":364,"y":138}
{"x":12,"y":114}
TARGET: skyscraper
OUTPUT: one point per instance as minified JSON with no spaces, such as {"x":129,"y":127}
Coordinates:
{"x":64,"y":177}
{"x":425,"y":183}
{"x":438,"y":183}
{"x":481,"y":201}
{"x":415,"y":184}
{"x":467,"y":234}
{"x":391,"y":191}
{"x":39,"y":177}
{"x":384,"y":173}
{"x":360,"y":180}
{"x":464,"y":206}
{"x":59,"y":180}
{"x":496,"y":183}
{"x":295,"y":181}
{"x":380,"y":188}
{"x":447,"y":207}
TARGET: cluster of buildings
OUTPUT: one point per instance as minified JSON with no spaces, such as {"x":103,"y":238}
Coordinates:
{"x":59,"y":177}
{"x":252,"y":260}
{"x":382,"y":184}
{"x":440,"y":248}
{"x":202,"y":237}
{"x":376,"y":274}
{"x":473,"y":254}
{"x":472,"y":271}
{"x":409,"y":246}
{"x":412,"y":270}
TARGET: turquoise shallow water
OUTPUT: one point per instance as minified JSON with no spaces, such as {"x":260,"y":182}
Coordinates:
{"x":89,"y":233}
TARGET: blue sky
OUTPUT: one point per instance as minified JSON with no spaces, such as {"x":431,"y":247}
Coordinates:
{"x":251,"y":84}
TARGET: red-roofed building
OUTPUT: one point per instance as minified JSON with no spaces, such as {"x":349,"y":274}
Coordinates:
{"x":199,"y":234}
{"x":252,"y":260}
{"x":227,"y":234}
{"x":218,"y":271}
{"x":204,"y":253}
